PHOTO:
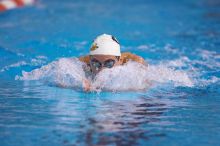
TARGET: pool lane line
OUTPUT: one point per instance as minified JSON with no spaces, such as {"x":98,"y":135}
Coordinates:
{"x":12,"y":4}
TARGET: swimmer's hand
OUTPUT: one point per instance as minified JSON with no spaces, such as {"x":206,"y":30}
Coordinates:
{"x":86,"y":85}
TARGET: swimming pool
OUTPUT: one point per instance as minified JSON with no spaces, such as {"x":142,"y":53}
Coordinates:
{"x":179,"y":39}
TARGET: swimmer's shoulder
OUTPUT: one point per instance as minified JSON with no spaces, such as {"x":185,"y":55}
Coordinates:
{"x":85,"y":59}
{"x":126,"y":56}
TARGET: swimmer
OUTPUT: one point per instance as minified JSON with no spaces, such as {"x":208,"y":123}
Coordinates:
{"x":105,"y":53}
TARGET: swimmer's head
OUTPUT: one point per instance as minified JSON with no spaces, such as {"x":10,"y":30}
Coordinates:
{"x":104,"y":53}
{"x":105,"y":45}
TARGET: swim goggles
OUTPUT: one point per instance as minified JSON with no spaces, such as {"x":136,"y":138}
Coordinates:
{"x":98,"y":65}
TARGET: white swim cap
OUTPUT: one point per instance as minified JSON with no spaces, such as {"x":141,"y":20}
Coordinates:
{"x":105,"y":45}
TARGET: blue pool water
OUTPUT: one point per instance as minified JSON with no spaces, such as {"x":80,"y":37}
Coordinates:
{"x":179,"y":39}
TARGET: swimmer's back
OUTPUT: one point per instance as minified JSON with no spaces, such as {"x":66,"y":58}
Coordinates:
{"x":125,"y":57}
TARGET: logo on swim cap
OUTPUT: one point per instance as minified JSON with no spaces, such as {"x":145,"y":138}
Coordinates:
{"x":94,"y":47}
{"x":105,"y":45}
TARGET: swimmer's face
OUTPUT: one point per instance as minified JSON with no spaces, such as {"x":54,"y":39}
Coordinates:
{"x":99,"y":62}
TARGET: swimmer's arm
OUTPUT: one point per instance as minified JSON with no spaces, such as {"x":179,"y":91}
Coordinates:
{"x":129,"y":56}
{"x":86,"y":85}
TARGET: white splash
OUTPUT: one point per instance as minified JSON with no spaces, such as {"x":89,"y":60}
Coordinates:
{"x":163,"y":74}
{"x":64,"y":73}
{"x":131,"y":76}
{"x":69,"y":72}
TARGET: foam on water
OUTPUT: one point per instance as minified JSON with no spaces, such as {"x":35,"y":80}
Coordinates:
{"x":39,"y":60}
{"x":66,"y":72}
{"x":131,"y":76}
{"x":69,"y":72}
